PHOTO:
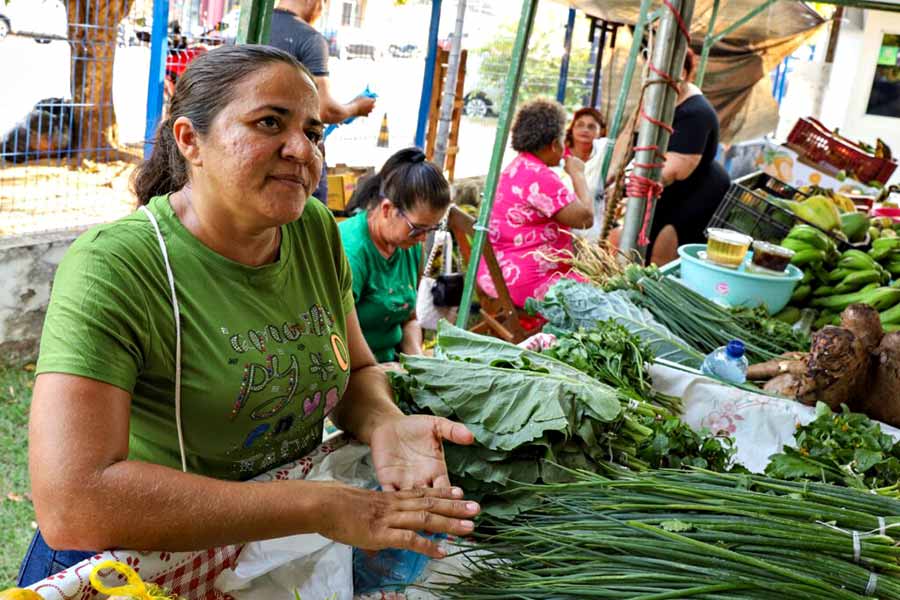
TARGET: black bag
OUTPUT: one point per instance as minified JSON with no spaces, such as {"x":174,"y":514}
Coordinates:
{"x":448,"y":289}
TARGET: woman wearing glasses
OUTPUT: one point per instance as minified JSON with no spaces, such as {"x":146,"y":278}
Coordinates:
{"x":400,"y":205}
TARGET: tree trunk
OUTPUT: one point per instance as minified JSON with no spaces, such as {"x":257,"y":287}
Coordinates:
{"x":93,"y":27}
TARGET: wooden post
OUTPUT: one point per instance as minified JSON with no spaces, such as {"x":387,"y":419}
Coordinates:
{"x":453,"y":141}
{"x":437,"y":91}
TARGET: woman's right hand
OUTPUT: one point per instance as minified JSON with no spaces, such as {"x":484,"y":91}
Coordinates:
{"x":574,"y":166}
{"x":373,"y":520}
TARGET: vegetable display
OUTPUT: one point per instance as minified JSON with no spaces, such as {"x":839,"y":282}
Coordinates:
{"x":854,"y":364}
{"x":673,"y":534}
{"x":678,"y":324}
{"x":833,"y":281}
{"x":704,"y":324}
{"x":533,"y":415}
{"x":843,"y":448}
{"x":612,"y":355}
{"x":570,"y":305}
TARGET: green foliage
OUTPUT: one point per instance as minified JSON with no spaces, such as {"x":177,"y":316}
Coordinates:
{"x":842,"y":448}
{"x":608,"y":353}
{"x":675,"y":445}
{"x":542,"y":64}
{"x":16,"y":510}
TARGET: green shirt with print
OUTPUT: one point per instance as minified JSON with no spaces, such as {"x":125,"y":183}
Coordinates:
{"x":264,"y":349}
{"x":384,"y":288}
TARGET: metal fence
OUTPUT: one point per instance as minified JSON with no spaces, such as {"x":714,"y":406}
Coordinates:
{"x":73,"y":111}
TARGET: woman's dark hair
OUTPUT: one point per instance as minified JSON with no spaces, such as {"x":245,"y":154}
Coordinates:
{"x":581,"y":112}
{"x":537,"y":125}
{"x":202,"y":91}
{"x":406,"y":179}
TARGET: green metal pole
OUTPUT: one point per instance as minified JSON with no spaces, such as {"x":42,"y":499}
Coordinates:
{"x":256,"y":22}
{"x":621,"y":101}
{"x":513,"y":77}
{"x":707,"y":44}
{"x":668,"y":55}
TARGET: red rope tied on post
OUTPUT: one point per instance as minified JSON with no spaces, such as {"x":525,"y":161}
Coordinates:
{"x":639,"y":186}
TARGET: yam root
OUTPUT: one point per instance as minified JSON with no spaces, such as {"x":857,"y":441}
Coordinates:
{"x":790,"y":385}
{"x":864,"y":322}
{"x":882,"y":401}
{"x":773,"y":368}
{"x":839,"y":366}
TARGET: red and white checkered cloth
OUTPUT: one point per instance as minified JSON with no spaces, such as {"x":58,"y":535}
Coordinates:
{"x":188,"y":574}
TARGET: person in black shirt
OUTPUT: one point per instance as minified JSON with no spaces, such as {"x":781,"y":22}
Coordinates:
{"x":292,"y":31}
{"x":694,"y":181}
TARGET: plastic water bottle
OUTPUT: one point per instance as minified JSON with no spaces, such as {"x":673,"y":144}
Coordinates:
{"x":727,"y":363}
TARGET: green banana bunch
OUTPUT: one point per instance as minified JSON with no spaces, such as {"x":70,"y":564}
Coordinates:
{"x":879,"y":298}
{"x":801,"y":293}
{"x":808,"y":256}
{"x":857,"y":280}
{"x":856,"y":260}
{"x":886,"y":251}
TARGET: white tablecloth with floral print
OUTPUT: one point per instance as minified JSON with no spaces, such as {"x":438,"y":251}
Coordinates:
{"x":760,"y":424}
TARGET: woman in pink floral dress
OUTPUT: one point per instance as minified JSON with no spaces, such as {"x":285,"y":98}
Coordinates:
{"x":533,"y":210}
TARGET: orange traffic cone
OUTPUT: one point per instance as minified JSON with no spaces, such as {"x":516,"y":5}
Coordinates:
{"x":383,"y":133}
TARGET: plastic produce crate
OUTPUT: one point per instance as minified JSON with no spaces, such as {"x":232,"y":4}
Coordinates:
{"x":747,"y":209}
{"x":820,"y":145}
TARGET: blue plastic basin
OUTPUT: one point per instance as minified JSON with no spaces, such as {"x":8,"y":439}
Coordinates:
{"x":736,"y":287}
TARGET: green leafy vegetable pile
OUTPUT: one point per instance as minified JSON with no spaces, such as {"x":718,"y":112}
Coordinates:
{"x":842,"y":448}
{"x":674,"y":534}
{"x":675,"y":445}
{"x":612,"y":355}
{"x":679,"y":324}
{"x":533,"y":415}
{"x":570,"y":305}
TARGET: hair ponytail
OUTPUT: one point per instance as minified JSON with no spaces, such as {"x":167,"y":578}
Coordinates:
{"x":165,"y":171}
{"x":406,"y":179}
{"x":367,"y":193}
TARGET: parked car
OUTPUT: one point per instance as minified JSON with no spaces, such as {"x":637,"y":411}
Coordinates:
{"x":356,"y":43}
{"x":403,"y":50}
{"x":478,"y":104}
{"x":34,"y":18}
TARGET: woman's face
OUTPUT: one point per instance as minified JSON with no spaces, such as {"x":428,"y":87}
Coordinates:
{"x":585,"y":130}
{"x":405,"y":229}
{"x":260,"y":159}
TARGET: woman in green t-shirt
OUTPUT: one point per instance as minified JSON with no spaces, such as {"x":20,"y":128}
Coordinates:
{"x":401,"y":204}
{"x":203,"y":339}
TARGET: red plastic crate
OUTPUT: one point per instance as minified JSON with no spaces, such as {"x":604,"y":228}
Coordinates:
{"x":820,"y":145}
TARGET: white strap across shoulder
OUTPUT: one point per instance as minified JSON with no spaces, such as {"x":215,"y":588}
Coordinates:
{"x":177,"y":313}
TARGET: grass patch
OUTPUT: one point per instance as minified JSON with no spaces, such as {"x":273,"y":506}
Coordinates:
{"x":16,"y":510}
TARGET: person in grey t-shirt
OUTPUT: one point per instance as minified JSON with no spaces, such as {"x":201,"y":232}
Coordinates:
{"x":292,"y":31}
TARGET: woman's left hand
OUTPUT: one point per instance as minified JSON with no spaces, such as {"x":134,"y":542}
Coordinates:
{"x":408,"y":451}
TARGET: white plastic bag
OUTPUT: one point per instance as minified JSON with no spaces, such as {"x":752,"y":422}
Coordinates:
{"x":427,"y":314}
{"x":311,"y":565}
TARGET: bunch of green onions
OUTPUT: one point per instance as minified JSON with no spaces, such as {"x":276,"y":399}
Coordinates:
{"x":674,"y":534}
{"x":706,"y":326}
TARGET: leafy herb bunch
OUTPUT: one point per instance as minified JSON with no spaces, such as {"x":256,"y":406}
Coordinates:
{"x":608,"y":353}
{"x":843,"y":448}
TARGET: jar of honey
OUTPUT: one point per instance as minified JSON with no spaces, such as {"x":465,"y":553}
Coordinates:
{"x":726,"y":247}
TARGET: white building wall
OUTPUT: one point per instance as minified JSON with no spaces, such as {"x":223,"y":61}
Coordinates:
{"x":848,"y":89}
